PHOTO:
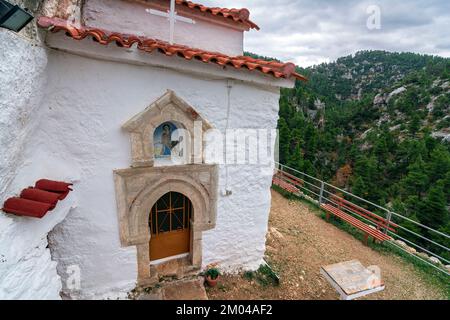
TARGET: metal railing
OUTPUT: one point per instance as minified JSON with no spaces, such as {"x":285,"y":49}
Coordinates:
{"x":320,"y":192}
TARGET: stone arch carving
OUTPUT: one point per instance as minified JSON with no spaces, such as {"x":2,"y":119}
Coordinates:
{"x":138,"y":189}
{"x":140,"y":208}
{"x":168,"y":108}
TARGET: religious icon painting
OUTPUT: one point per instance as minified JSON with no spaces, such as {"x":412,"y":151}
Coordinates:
{"x":165,"y":140}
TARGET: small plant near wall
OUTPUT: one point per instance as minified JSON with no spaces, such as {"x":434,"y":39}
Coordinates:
{"x":212,"y":274}
{"x":264,"y":276}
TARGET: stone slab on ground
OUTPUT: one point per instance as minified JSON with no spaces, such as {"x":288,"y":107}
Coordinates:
{"x":351,"y":279}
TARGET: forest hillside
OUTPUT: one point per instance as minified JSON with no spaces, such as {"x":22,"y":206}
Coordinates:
{"x":377,"y":124}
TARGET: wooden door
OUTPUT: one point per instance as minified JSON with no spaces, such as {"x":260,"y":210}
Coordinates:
{"x":170,"y":226}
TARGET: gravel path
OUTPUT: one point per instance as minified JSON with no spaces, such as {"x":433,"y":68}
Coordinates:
{"x":300,"y":242}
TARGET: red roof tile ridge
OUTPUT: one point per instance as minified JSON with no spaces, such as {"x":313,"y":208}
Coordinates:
{"x":274,"y":68}
{"x":239,"y":15}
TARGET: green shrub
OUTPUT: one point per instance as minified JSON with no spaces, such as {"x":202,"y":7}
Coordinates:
{"x":213,"y":273}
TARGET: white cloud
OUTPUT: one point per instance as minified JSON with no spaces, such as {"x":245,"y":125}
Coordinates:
{"x":313,"y":31}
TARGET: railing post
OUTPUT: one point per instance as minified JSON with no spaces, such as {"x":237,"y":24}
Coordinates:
{"x":388,"y":220}
{"x":322,"y":186}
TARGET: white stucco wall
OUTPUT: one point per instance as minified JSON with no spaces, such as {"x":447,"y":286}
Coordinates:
{"x":22,"y":81}
{"x":130,"y":17}
{"x":86,"y":102}
{"x":26,"y":268}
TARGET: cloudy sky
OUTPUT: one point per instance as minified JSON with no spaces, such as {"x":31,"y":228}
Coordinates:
{"x":308,"y":32}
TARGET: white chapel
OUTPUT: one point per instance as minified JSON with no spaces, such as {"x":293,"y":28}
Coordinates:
{"x":120,"y":123}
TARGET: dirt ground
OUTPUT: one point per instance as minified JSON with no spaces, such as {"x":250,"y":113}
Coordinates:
{"x":300,"y":242}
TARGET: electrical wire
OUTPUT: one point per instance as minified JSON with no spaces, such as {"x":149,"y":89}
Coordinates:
{"x":229,"y":87}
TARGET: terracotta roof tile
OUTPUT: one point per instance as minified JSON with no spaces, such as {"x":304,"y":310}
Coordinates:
{"x":36,"y":194}
{"x":36,"y":202}
{"x":238,"y":15}
{"x":26,"y":207}
{"x":273,"y":68}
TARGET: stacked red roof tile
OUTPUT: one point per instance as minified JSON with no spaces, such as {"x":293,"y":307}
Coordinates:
{"x":273,"y":68}
{"x":238,"y":15}
{"x":38,"y":200}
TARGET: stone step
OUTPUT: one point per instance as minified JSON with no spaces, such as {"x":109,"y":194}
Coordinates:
{"x":185,"y":289}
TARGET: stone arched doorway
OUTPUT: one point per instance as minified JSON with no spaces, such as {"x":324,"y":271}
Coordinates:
{"x":170,"y":227}
{"x":139,"y":189}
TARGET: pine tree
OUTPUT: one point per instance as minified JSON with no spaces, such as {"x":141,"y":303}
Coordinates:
{"x":434,"y":212}
{"x":439,"y":163}
{"x":311,"y":141}
{"x":416,"y":181}
{"x":414,"y":125}
{"x":359,"y":188}
{"x":284,"y":138}
{"x":296,"y":159}
{"x":381,"y":150}
{"x":309,"y":168}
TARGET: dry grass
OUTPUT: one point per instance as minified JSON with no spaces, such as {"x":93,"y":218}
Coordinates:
{"x":306,"y":243}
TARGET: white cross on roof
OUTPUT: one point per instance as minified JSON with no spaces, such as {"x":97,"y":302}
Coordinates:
{"x":172,"y":16}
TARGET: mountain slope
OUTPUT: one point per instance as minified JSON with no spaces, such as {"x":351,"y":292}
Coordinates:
{"x":377,"y":124}
{"x":350,"y":77}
